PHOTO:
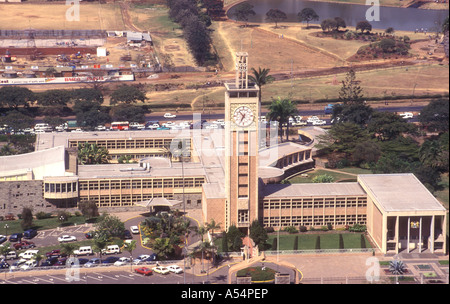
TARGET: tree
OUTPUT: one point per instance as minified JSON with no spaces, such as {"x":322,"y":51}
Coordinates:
{"x":163,"y":248}
{"x":225,"y":242}
{"x":366,"y":152}
{"x":328,"y":25}
{"x":90,"y":114}
{"x":198,"y":40}
{"x":127,"y":94}
{"x":68,"y":248}
{"x":281,"y":110}
{"x":307,"y":14}
{"x":387,"y":125}
{"x":364,"y":26}
{"x":27,"y":218}
{"x":276,"y":15}
{"x":261,"y":77}
{"x":89,"y":154}
{"x":87,"y":95}
{"x":257,"y":233}
{"x":435,"y":115}
{"x":53,"y":98}
{"x":244,"y":11}
{"x":15,"y":97}
{"x":340,"y":23}
{"x":109,"y":226}
{"x":126,"y":112}
{"x":17,"y":120}
{"x":350,"y":92}
{"x":88,"y":208}
{"x":343,"y":138}
{"x":341,"y":241}
{"x":318,"y":242}
{"x":212,"y":225}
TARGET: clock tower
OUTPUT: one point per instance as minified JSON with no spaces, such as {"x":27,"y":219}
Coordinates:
{"x":242,"y":110}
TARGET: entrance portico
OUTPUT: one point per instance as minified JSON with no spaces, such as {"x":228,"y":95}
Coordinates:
{"x":402,"y":215}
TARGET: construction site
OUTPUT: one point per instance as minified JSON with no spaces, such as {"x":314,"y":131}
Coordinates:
{"x":60,"y":56}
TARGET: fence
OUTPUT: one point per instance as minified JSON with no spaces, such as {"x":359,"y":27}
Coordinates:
{"x":306,"y":252}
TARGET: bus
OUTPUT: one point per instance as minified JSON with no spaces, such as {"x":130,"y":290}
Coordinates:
{"x":120,"y":125}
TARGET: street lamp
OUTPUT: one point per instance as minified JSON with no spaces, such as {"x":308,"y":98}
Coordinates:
{"x":6,"y":229}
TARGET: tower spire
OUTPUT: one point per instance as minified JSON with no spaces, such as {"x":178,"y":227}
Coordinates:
{"x":242,"y":70}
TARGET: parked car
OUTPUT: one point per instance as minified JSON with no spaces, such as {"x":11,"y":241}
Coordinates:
{"x":93,"y":262}
{"x":110,"y":260}
{"x":299,"y":123}
{"x":28,"y":265}
{"x":29,"y":254}
{"x":24,"y":245}
{"x":111,"y":249}
{"x":53,"y":253}
{"x":175,"y":269}
{"x":127,"y":235}
{"x":134,"y":229}
{"x":4,"y":265}
{"x":161,"y":270}
{"x":61,"y":261}
{"x":136,"y":126}
{"x":170,"y":115}
{"x":29,"y":234}
{"x":17,"y":264}
{"x":11,"y":255}
{"x":15,"y":237}
{"x":89,"y":235}
{"x":141,"y":259}
{"x":3,"y":239}
{"x":49,"y":261}
{"x":84,"y":250}
{"x":67,"y":238}
{"x":122,"y":261}
{"x":144,"y":270}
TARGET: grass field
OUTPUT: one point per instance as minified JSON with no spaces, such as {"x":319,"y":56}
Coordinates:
{"x":96,"y":16}
{"x":338,"y":177}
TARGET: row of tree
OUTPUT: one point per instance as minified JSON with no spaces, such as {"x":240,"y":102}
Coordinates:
{"x":195,"y":27}
{"x":85,"y":103}
{"x":383,"y":141}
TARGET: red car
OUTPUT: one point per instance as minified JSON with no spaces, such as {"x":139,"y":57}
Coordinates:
{"x":24,"y":245}
{"x":144,"y":270}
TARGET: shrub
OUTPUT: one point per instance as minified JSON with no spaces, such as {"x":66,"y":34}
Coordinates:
{"x":291,"y":229}
{"x":43,"y":215}
{"x":303,"y":229}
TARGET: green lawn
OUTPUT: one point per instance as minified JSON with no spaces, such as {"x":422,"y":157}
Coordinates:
{"x":338,"y":177}
{"x":50,"y":223}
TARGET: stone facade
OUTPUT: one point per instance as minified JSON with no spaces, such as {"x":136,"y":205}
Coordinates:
{"x":15,"y":195}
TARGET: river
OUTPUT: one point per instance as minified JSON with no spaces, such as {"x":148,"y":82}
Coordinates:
{"x":406,"y":19}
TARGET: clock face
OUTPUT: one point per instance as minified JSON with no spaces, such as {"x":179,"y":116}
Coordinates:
{"x":243,"y":116}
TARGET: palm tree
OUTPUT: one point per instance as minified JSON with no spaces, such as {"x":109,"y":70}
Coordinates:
{"x":281,"y":110}
{"x":201,"y":231}
{"x":99,"y":245}
{"x":162,"y":247}
{"x":213,"y":226}
{"x":92,"y":154}
{"x":261,"y":77}
{"x":130,"y":247}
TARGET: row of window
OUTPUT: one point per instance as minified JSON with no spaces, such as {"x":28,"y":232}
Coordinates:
{"x":189,"y":182}
{"x":317,"y":220}
{"x":60,"y":187}
{"x":147,"y":143}
{"x":316,"y":203}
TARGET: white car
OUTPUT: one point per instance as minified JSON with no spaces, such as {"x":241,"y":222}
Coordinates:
{"x":169,"y":115}
{"x":175,"y":269}
{"x":136,"y":125}
{"x":312,"y":119}
{"x":28,"y":265}
{"x":319,"y":122}
{"x":161,"y":270}
{"x":100,"y":128}
{"x":140,"y":259}
{"x":299,"y":123}
{"x":134,"y":229}
{"x":153,"y":126}
{"x":67,"y":238}
{"x":406,"y":115}
{"x":122,"y":261}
